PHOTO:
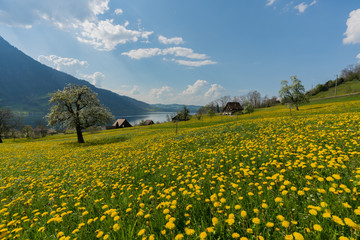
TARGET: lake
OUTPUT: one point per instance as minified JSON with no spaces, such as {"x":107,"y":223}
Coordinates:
{"x":155,"y":116}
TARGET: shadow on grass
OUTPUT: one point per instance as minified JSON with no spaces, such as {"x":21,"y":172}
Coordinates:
{"x":96,"y":142}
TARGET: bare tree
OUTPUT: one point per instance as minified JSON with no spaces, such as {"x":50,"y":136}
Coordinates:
{"x":6,"y":122}
{"x":255,"y":98}
{"x":222,"y":101}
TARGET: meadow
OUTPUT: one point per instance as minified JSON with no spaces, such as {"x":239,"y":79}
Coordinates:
{"x":265,"y":175}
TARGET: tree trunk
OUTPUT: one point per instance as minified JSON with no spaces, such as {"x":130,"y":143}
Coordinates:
{"x":0,"y":140}
{"x":297,"y":108}
{"x":290,"y":111}
{"x":79,"y":135}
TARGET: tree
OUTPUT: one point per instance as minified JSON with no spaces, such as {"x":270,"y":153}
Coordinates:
{"x":184,"y":114}
{"x":255,"y":98}
{"x":77,"y":107}
{"x":248,"y":107}
{"x":223,"y":101}
{"x":293,"y":95}
{"x":6,"y":121}
{"x":28,"y":131}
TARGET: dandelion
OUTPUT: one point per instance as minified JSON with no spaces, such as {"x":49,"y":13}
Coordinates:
{"x":100,"y":234}
{"x":235,"y":235}
{"x":214,"y":221}
{"x":189,"y":231}
{"x":298,"y":236}
{"x":179,"y":237}
{"x":203,"y":235}
{"x":269,"y":224}
{"x":256,"y":220}
{"x":141,"y":232}
{"x":116,"y":227}
{"x":317,"y":227}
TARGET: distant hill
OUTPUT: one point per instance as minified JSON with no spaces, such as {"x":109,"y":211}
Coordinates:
{"x":345,"y":88}
{"x":25,"y":85}
{"x":173,"y":107}
{"x":347,"y":83}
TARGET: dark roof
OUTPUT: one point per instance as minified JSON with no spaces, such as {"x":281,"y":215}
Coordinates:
{"x":120,"y":122}
{"x":148,"y":122}
{"x":233,"y":106}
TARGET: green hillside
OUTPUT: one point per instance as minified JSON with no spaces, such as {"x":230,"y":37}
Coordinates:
{"x":264,"y":175}
{"x":343,"y":89}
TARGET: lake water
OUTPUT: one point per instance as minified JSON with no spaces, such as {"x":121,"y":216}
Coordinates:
{"x":155,"y":116}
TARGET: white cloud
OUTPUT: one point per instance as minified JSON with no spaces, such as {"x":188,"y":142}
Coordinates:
{"x":195,"y":88}
{"x":175,"y":51}
{"x":163,"y":92}
{"x":128,"y":90}
{"x":99,"y":6}
{"x":118,"y":11}
{"x":174,"y":40}
{"x":303,"y":6}
{"x":69,"y":65}
{"x":270,"y":2}
{"x":143,"y":53}
{"x":358,"y":56}
{"x":72,"y":66}
{"x":194,"y":63}
{"x":199,"y":93}
{"x":352,"y":34}
{"x":96,"y":78}
{"x":78,"y":17}
{"x":215,"y":91}
{"x":184,"y":52}
{"x":105,"y":35}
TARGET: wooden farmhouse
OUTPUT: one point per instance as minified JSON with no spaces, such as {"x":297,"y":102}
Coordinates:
{"x":119,"y":123}
{"x":148,"y":122}
{"x":232,"y":108}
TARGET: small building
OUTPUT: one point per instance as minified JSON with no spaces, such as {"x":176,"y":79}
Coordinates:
{"x":148,"y":122}
{"x":232,"y":108}
{"x":119,"y":123}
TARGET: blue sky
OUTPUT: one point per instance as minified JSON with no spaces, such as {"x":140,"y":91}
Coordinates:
{"x":187,"y":52}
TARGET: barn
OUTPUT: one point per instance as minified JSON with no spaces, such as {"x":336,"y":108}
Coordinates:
{"x":232,"y":108}
{"x":119,"y":123}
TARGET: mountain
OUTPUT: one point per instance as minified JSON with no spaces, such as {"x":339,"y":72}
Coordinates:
{"x":173,"y":107}
{"x":25,"y":85}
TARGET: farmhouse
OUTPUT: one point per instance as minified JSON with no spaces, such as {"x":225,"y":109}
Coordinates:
{"x":119,"y":123}
{"x":148,"y":122}
{"x":232,"y":108}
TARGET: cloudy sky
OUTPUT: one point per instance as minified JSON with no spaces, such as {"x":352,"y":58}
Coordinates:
{"x":187,"y":52}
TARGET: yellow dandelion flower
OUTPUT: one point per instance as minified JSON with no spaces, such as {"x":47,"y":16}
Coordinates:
{"x":116,"y":227}
{"x":256,"y":220}
{"x":141,"y":232}
{"x":269,"y":224}
{"x":100,"y":234}
{"x":203,"y":235}
{"x":298,"y":236}
{"x":179,"y":236}
{"x":210,"y":229}
{"x":214,"y":221}
{"x":189,"y":231}
{"x":317,"y":227}
{"x":285,"y":224}
{"x":313,"y":212}
{"x":235,"y":235}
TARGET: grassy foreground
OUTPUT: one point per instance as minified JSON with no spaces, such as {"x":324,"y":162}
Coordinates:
{"x":261,"y":176}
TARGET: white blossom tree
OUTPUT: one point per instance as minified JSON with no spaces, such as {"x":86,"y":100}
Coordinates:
{"x":77,"y":107}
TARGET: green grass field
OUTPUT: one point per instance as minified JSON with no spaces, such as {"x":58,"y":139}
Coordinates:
{"x":260,"y":176}
{"x":342,"y":89}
